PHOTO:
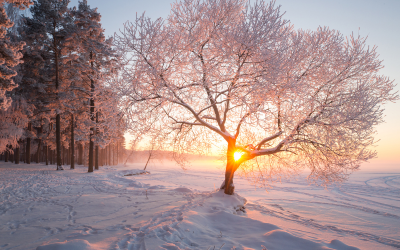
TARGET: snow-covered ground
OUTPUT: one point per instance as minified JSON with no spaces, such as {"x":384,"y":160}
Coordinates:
{"x":172,"y":209}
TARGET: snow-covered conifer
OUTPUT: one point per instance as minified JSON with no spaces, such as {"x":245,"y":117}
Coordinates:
{"x":9,"y":52}
{"x":52,"y":26}
{"x":96,"y":56}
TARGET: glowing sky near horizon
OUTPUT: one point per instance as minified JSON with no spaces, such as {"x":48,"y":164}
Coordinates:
{"x":379,"y":20}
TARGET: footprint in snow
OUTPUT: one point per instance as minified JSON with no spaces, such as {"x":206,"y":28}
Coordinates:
{"x":182,"y":190}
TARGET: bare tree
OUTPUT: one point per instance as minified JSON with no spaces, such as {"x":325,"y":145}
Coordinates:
{"x":281,"y":99}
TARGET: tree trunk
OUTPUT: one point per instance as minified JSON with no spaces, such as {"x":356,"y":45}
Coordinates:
{"x":38,"y":151}
{"x":28,"y":146}
{"x":109,"y":154}
{"x":6,"y":154}
{"x":96,"y":162}
{"x":63,"y":155}
{"x":91,"y":110}
{"x":58,"y":142}
{"x":80,"y":153}
{"x":11,"y":154}
{"x":46,"y":154}
{"x":17,"y":154}
{"x":23,"y":149}
{"x":231,"y":167}
{"x":148,"y":159}
{"x":72,"y":143}
{"x":39,"y":145}
{"x":117,"y":158}
{"x":90,"y":169}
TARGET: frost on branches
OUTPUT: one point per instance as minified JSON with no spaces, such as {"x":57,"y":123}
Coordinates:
{"x":9,"y":52}
{"x":283,"y":99}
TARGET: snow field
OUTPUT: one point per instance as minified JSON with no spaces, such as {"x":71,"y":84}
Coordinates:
{"x":114,"y":208}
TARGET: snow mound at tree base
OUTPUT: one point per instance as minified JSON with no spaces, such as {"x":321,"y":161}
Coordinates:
{"x":218,"y":220}
{"x":209,"y":220}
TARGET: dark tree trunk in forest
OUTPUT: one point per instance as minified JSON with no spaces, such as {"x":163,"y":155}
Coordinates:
{"x":96,"y":154}
{"x":58,"y":142}
{"x":28,"y":151}
{"x":11,"y":154}
{"x":90,"y":169}
{"x":28,"y":146}
{"x":23,"y":149}
{"x":72,"y":142}
{"x":53,"y":157}
{"x":58,"y":117}
{"x":38,"y":151}
{"x":6,"y":154}
{"x":91,"y":110}
{"x":17,"y":154}
{"x":80,"y":154}
{"x":68,"y":158}
{"x":39,"y":145}
{"x":63,"y":155}
{"x":46,"y":154}
{"x":102,"y":157}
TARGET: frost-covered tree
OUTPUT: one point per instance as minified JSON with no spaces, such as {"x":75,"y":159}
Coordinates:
{"x":227,"y":71}
{"x":52,"y":24}
{"x":96,"y":62}
{"x":9,"y":52}
{"x":12,"y":124}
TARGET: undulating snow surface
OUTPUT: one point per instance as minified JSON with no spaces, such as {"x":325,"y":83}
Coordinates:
{"x":114,"y":208}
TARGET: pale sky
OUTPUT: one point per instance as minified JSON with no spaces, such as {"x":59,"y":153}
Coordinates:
{"x":379,"y":20}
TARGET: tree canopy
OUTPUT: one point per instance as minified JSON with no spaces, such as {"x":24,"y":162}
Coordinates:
{"x":230,"y":71}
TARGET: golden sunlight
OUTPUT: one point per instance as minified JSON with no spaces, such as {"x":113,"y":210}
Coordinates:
{"x":237,"y":155}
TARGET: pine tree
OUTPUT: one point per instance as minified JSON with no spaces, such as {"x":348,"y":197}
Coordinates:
{"x":9,"y":52}
{"x":95,"y":52}
{"x":51,"y":22}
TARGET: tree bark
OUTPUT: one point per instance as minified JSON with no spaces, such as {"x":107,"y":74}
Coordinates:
{"x":109,"y":155}
{"x":39,"y":145}
{"x":231,"y":167}
{"x":72,"y":142}
{"x":58,"y":142}
{"x":11,"y":154}
{"x":227,"y":185}
{"x":91,"y":110}
{"x":28,"y":146}
{"x":96,"y":162}
{"x":6,"y":154}
{"x":17,"y":154}
{"x":46,"y":154}
{"x":148,"y":159}
{"x":90,"y":169}
{"x":58,"y":117}
{"x":63,"y":155}
{"x":38,"y":151}
{"x":80,"y":154}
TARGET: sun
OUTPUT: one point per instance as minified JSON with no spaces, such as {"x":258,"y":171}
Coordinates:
{"x":237,"y":155}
